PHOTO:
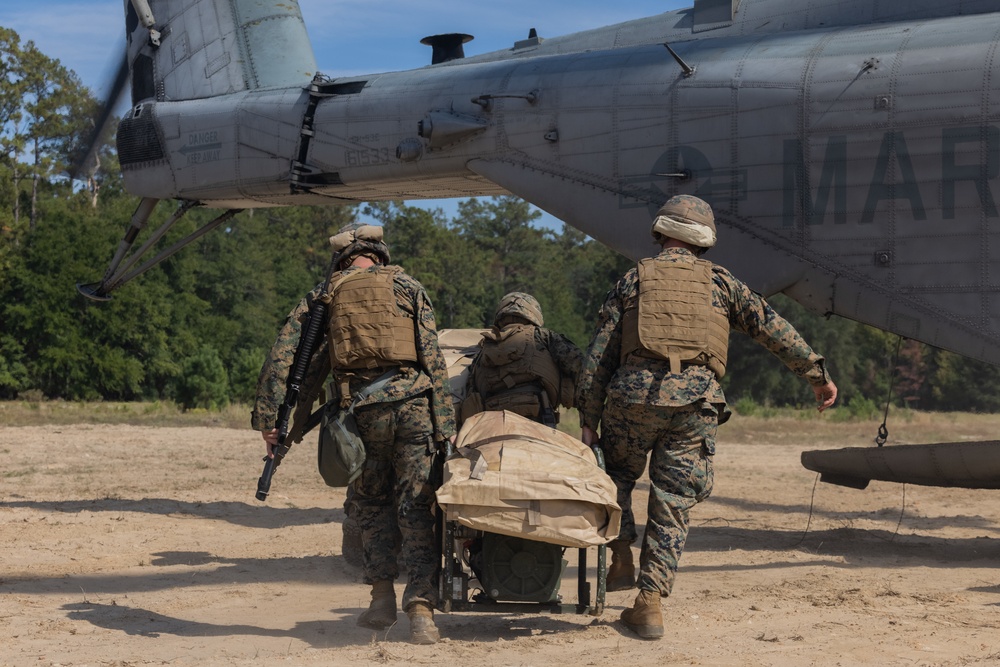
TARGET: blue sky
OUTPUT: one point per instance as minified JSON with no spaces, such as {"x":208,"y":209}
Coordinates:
{"x":348,"y":36}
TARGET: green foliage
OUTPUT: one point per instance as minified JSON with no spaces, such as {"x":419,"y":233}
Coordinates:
{"x":493,"y":247}
{"x":71,"y":350}
{"x":502,"y":229}
{"x":13,"y":370}
{"x":859,"y":359}
{"x":962,"y":384}
{"x":857,"y":408}
{"x":203,"y":382}
{"x":233,"y":288}
{"x":747,"y":407}
{"x":448,"y":265}
{"x":244,"y":367}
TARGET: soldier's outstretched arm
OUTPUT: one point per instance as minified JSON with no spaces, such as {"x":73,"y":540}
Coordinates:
{"x":751,"y":314}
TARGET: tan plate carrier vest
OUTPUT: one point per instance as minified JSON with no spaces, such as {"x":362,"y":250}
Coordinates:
{"x":510,"y":361}
{"x":366,"y":328}
{"x":675,"y":319}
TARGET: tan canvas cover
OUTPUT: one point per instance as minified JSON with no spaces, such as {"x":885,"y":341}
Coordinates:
{"x":516,"y":477}
{"x":459,"y":347}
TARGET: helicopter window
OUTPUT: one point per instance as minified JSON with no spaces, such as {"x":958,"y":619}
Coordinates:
{"x":143,"y":86}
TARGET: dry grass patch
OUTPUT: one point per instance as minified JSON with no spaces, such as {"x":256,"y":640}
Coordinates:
{"x":156,"y":413}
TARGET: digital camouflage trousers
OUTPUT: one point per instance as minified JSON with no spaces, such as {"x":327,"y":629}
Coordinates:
{"x":397,"y":486}
{"x":682,"y":442}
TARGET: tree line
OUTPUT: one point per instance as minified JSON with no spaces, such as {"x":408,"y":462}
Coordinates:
{"x":195,"y":330}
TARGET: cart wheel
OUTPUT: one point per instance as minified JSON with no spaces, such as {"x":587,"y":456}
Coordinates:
{"x":516,"y":569}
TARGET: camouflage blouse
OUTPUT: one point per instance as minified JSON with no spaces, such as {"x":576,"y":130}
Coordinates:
{"x":566,"y":355}
{"x":429,"y":375}
{"x":649,"y":381}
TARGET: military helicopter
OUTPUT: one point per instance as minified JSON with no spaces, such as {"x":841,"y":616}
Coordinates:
{"x":849,"y":149}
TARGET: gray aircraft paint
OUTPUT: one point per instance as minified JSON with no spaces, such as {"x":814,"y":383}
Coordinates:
{"x":851,"y":148}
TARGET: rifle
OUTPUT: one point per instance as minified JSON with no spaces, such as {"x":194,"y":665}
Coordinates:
{"x":300,"y":365}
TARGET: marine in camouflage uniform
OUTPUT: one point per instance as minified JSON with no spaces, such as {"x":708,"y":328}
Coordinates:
{"x":521,"y":367}
{"x":401,"y":425}
{"x":506,"y":375}
{"x":649,"y":402}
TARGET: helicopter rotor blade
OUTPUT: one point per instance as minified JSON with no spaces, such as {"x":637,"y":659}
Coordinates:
{"x":103,"y":120}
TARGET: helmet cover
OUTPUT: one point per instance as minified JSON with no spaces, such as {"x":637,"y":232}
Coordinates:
{"x":521,"y":305}
{"x":687,"y":219}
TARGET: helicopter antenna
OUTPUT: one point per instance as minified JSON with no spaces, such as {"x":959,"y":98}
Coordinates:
{"x":688,"y":70}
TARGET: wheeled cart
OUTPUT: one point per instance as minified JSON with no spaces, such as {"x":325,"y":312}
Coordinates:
{"x":501,"y":573}
{"x":521,"y":568}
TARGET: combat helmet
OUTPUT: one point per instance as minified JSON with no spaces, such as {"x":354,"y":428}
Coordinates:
{"x":520,"y":305}
{"x":687,"y":219}
{"x":360,"y":239}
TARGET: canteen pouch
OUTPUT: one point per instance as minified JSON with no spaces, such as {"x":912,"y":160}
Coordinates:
{"x":341,"y":455}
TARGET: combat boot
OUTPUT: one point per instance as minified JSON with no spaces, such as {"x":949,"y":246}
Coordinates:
{"x":645,"y":617}
{"x":381,"y":613}
{"x":621,"y":574}
{"x":422,"y":628}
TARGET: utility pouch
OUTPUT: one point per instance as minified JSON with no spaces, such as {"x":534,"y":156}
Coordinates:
{"x":341,"y":454}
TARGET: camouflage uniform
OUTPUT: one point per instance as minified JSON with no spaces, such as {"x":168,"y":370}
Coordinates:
{"x":400,"y":425}
{"x":643,"y":407}
{"x":546,"y":373}
{"x":563,"y":351}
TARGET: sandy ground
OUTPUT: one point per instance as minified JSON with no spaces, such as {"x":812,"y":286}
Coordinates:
{"x":126,"y":545}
